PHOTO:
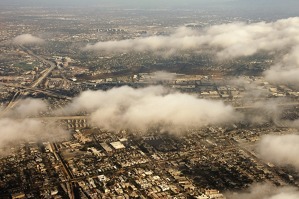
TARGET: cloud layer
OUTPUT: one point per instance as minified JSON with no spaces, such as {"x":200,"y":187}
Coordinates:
{"x":27,"y":39}
{"x":140,"y":109}
{"x":227,"y":41}
{"x":231,"y":40}
{"x":287,"y":69}
{"x":266,"y":191}
{"x":15,"y":131}
{"x":28,"y":107}
{"x":281,"y":150}
{"x":17,"y":127}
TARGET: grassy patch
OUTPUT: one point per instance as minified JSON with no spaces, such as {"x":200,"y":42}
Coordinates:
{"x":24,"y":66}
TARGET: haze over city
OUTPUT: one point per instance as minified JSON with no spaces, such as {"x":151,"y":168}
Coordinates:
{"x":149,"y":99}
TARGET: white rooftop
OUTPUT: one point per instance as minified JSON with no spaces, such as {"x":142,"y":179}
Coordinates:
{"x":117,"y":145}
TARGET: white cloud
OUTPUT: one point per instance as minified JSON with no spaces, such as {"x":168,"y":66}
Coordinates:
{"x":140,"y":109}
{"x":17,"y":127}
{"x":280,"y":149}
{"x":160,"y":76}
{"x":265,"y":191}
{"x":27,"y":39}
{"x":227,"y":41}
{"x":231,"y":40}
{"x":28,"y":107}
{"x":14,"y":131}
{"x":286,"y":70}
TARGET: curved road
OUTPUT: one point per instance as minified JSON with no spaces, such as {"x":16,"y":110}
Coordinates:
{"x":19,"y":95}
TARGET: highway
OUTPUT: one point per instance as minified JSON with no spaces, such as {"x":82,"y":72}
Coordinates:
{"x":46,"y":62}
{"x":16,"y":97}
{"x":33,"y":87}
{"x":66,"y":171}
{"x":49,"y":93}
{"x":14,"y":101}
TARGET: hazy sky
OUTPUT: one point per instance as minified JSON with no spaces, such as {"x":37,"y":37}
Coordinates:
{"x":159,"y":3}
{"x":264,"y":9}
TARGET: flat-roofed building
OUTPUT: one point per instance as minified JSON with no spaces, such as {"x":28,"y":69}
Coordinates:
{"x":117,"y":145}
{"x":106,"y":147}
